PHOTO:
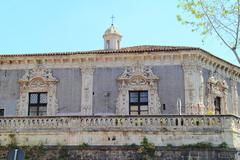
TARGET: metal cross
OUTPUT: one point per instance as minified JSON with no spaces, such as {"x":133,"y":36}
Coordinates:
{"x":112,"y":19}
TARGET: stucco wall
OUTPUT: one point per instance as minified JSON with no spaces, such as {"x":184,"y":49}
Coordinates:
{"x":105,"y":90}
{"x":68,"y":90}
{"x":9,"y":90}
{"x":170,"y":87}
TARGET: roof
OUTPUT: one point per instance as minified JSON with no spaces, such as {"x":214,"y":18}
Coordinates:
{"x":129,"y":50}
{"x":133,"y":49}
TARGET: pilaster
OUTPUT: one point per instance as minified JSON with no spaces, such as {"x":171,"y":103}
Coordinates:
{"x":234,"y":96}
{"x":87,"y":90}
{"x":193,"y":88}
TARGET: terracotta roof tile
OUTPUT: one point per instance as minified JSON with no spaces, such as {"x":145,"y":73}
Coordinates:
{"x":133,"y":49}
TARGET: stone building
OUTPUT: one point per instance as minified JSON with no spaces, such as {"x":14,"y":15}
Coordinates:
{"x":116,"y":96}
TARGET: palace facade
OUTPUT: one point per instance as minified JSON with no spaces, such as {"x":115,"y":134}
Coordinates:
{"x":116,"y":96}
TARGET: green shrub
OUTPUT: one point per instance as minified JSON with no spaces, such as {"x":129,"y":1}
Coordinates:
{"x":223,"y":145}
{"x":146,"y":149}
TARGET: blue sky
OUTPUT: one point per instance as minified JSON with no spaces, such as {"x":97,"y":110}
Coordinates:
{"x":37,"y":26}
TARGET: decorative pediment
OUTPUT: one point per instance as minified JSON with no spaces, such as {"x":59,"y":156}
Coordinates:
{"x":138,"y":75}
{"x":217,"y":83}
{"x":38,"y":73}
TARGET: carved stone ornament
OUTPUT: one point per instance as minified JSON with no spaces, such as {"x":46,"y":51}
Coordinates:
{"x":138,"y":78}
{"x":217,"y":87}
{"x":38,"y":79}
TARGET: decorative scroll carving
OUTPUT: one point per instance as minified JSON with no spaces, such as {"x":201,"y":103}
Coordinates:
{"x":39,"y":79}
{"x":137,"y":77}
{"x":217,"y":87}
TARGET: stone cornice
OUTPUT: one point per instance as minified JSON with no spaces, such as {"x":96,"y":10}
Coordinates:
{"x":201,"y":57}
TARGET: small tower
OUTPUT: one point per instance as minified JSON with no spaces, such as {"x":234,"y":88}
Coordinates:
{"x":112,"y":38}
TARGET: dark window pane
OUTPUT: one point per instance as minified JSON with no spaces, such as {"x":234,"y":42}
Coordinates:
{"x":144,"y":99}
{"x":33,"y":98}
{"x":43,"y":98}
{"x":133,"y":99}
{"x":1,"y":112}
{"x":144,"y":94}
{"x":134,"y":94}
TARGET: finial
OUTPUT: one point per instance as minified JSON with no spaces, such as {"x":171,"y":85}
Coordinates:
{"x":112,"y":19}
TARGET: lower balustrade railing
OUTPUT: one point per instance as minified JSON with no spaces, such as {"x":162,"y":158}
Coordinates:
{"x":116,"y":122}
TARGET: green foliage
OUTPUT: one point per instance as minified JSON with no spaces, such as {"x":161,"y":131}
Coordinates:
{"x":169,"y":145}
{"x":83,"y":145}
{"x":213,"y":16}
{"x":146,"y":149}
{"x":13,"y":141}
{"x":223,"y":145}
{"x":133,"y":145}
{"x":202,"y":145}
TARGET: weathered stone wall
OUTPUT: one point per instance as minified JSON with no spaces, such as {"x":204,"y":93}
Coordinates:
{"x":123,"y":153}
{"x":9,"y":90}
{"x":105,"y":90}
{"x":68,"y":90}
{"x":170,"y":87}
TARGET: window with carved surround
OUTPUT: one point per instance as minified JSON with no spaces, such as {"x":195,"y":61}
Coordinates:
{"x":138,"y":78}
{"x":217,"y":94}
{"x":41,"y":81}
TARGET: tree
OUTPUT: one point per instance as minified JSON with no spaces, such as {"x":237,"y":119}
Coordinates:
{"x":219,"y":17}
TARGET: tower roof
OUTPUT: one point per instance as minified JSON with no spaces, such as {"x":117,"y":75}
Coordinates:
{"x":112,"y":30}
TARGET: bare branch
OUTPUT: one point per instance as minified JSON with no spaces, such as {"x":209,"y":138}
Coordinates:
{"x":210,"y":21}
{"x":237,"y":29}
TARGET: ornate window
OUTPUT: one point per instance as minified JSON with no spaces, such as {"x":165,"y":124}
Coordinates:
{"x":217,"y":95}
{"x":138,"y":102}
{"x":137,"y":79}
{"x":37,"y":104}
{"x":33,"y":83}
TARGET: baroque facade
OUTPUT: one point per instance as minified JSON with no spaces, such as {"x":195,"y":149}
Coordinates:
{"x":123,"y":93}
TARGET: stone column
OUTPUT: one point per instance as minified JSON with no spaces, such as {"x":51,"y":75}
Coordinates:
{"x":193,"y":88}
{"x":87,"y":90}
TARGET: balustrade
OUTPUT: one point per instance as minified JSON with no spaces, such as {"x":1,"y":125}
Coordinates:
{"x":150,"y":122}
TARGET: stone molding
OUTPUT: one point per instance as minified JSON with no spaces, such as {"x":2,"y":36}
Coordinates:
{"x":38,"y":79}
{"x":103,"y":60}
{"x":137,"y":77}
{"x":217,"y":87}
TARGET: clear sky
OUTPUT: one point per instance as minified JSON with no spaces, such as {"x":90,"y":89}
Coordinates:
{"x":39,"y":26}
